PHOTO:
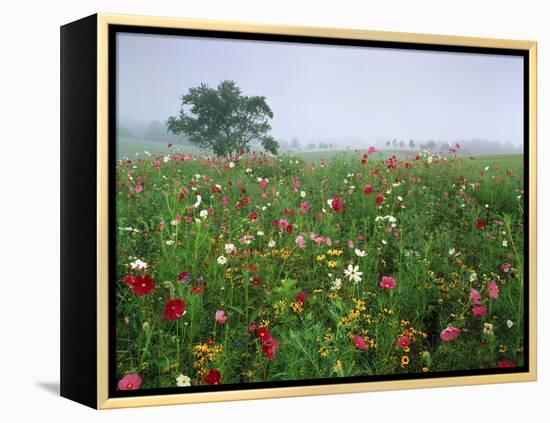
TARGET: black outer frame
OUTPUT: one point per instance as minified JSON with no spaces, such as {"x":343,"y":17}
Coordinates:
{"x":79,"y":114}
{"x":79,"y":211}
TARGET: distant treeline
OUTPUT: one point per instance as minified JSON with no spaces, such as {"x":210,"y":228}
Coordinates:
{"x":156,"y":131}
{"x":467,"y":147}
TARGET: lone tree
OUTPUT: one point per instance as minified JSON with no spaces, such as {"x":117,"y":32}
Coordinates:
{"x":224,"y":120}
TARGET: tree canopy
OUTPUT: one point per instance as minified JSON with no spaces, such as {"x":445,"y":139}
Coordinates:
{"x":224,"y":120}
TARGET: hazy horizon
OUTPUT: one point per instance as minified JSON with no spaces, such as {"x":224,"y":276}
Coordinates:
{"x":330,"y":92}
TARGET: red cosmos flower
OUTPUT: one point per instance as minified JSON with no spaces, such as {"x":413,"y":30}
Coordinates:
{"x":480,"y":224}
{"x":263,"y":333}
{"x":213,"y":377}
{"x":169,"y":145}
{"x":256,"y":282}
{"x":142,"y":285}
{"x":360,"y":343}
{"x":379,"y":199}
{"x":301,"y":297}
{"x":174,"y":308}
{"x":289,"y":229}
{"x":269,"y":348}
{"x":506,"y":364}
{"x":253,"y":217}
{"x":128,"y":280}
{"x":197,"y":289}
{"x":402,"y":342}
{"x":183,"y":276}
{"x":506,"y":267}
{"x":337,"y":204}
{"x":368,"y":189}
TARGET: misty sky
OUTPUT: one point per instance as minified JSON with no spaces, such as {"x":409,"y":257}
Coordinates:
{"x":330,"y":92}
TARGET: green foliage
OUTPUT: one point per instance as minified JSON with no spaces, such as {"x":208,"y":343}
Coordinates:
{"x":435,"y":252}
{"x":224,"y":120}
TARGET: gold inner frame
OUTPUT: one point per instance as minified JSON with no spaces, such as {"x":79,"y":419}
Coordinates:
{"x":103,"y":400}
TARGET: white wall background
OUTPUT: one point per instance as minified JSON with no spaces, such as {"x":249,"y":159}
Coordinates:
{"x":29,"y":208}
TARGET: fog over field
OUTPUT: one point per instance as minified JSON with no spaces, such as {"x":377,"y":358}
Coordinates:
{"x":330,"y":97}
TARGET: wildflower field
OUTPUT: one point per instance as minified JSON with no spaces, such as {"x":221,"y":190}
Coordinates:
{"x":277,"y":269}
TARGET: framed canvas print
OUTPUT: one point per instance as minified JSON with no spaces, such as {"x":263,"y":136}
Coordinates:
{"x":256,"y":211}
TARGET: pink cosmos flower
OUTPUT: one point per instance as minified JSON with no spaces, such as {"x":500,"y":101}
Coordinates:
{"x":360,"y":343}
{"x":304,"y":207}
{"x":479,"y":311}
{"x":371,"y":150}
{"x":220,"y":317}
{"x":387,"y":282}
{"x":282,"y":223}
{"x":492,"y":287}
{"x":506,"y":267}
{"x":138,"y":188}
{"x":129,"y":382}
{"x":263,"y":182}
{"x":269,"y":348}
{"x":475,"y":296}
{"x":449,"y":333}
{"x":300,"y":241}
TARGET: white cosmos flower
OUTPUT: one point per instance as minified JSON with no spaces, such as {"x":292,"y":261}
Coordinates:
{"x":174,"y":222}
{"x":203,"y":213}
{"x":452,"y":252}
{"x":138,"y":265}
{"x":505,"y":243}
{"x":166,"y":159}
{"x":229,"y":248}
{"x":170,"y":242}
{"x":197,"y":175}
{"x":222,"y":260}
{"x":329,"y":202}
{"x":231,"y":165}
{"x":303,"y":194}
{"x":183,"y":380}
{"x":248,"y":170}
{"x":360,"y":253}
{"x":260,"y":233}
{"x":197,"y":202}
{"x":271,"y":243}
{"x":353,"y":273}
{"x":336,"y":284}
{"x":509,"y":323}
